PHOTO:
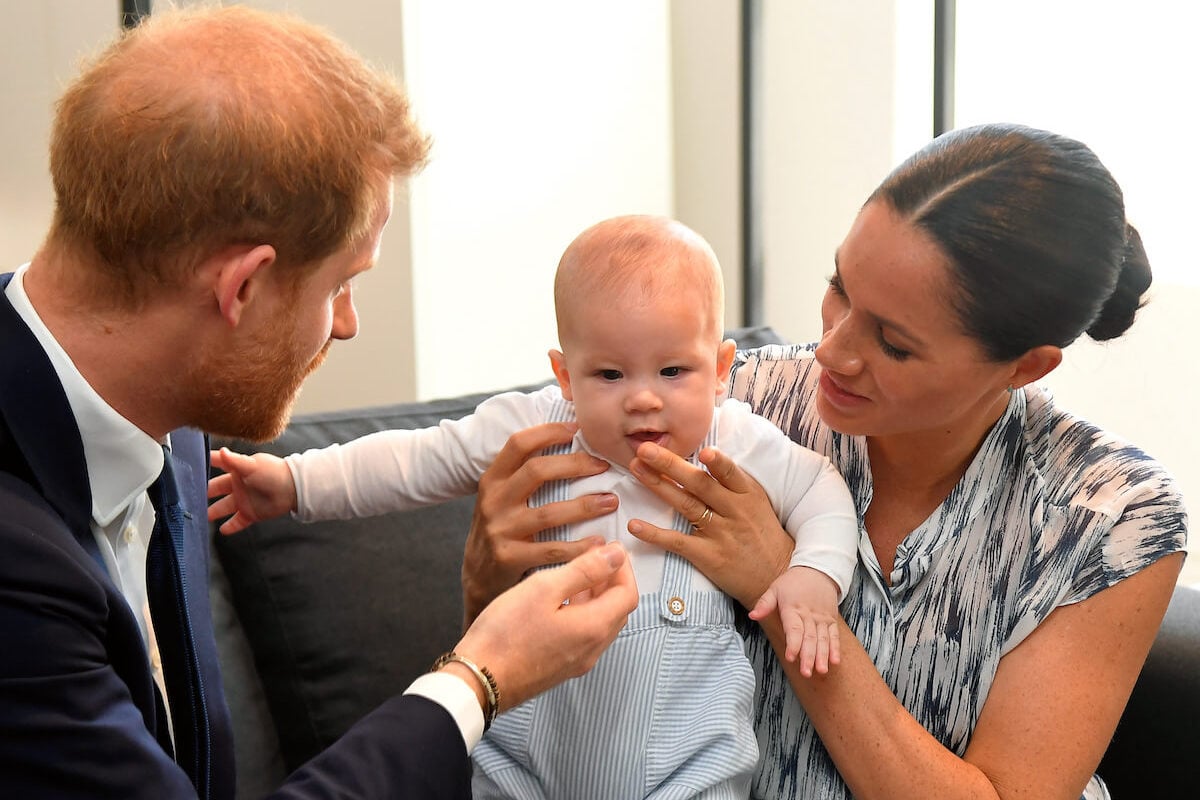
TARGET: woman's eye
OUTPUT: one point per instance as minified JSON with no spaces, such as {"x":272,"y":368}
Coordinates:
{"x":891,"y":351}
{"x":835,"y":285}
{"x":610,"y":374}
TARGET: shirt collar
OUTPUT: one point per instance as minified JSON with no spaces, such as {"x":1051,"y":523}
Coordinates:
{"x":122,"y":460}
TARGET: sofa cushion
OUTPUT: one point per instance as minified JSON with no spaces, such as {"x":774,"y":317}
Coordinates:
{"x":341,"y":615}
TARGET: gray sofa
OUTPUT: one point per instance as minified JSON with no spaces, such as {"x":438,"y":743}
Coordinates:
{"x":318,"y":624}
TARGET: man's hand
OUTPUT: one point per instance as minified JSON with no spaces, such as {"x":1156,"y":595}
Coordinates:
{"x":502,"y":546}
{"x":532,"y":638}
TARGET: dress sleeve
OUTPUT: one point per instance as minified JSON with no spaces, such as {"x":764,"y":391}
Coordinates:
{"x":1152,"y":523}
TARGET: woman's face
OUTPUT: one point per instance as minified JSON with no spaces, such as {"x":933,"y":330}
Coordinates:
{"x":895,"y":360}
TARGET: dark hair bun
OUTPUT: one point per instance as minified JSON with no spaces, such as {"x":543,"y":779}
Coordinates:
{"x":1118,"y":311}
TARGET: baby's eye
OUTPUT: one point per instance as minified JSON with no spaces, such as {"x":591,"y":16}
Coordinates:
{"x":610,"y":374}
{"x":671,"y":372}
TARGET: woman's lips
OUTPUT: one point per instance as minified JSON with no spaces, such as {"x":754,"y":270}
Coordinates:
{"x":838,"y":396}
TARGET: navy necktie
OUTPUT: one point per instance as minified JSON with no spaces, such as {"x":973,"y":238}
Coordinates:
{"x":165,"y":584}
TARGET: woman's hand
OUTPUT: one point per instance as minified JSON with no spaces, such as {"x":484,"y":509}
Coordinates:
{"x":739,"y":544}
{"x":501,"y":546}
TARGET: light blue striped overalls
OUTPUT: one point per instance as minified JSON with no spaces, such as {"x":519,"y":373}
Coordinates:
{"x":666,"y":713}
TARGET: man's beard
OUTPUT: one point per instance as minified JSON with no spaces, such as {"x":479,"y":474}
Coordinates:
{"x":249,"y":393}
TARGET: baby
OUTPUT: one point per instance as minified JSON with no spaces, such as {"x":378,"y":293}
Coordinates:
{"x":668,"y":708}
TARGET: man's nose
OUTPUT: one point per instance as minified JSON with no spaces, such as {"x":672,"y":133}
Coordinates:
{"x":345,"y":315}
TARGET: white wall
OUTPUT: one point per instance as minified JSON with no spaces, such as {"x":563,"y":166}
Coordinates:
{"x":829,"y":127}
{"x":706,"y":97}
{"x":40,"y":48}
{"x":547,"y":117}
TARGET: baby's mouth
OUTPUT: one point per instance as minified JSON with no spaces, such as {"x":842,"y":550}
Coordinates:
{"x":646,"y":436}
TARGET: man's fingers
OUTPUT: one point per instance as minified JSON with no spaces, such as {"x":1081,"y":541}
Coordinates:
{"x":537,"y":470}
{"x":593,"y":568}
{"x":525,"y":443}
{"x":567,"y":512}
{"x":562,"y":552}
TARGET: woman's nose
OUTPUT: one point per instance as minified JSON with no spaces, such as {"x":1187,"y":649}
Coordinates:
{"x":839,"y":351}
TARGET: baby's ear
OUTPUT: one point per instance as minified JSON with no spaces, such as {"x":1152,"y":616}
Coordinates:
{"x":725,"y":353}
{"x":558,"y":363}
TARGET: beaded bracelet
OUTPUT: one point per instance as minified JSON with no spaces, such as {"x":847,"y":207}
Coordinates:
{"x":491,"y":691}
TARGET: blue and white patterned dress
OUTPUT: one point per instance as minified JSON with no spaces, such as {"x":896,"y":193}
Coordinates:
{"x":1050,"y":511}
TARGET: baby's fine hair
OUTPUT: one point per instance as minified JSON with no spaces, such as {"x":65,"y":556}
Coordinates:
{"x":638,"y":258}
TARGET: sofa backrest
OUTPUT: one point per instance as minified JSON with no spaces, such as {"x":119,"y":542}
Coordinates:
{"x":341,"y":615}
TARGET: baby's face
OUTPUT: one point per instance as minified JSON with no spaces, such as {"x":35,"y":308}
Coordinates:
{"x":650,"y":373}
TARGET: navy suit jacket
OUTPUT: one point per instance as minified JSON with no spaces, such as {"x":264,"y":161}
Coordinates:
{"x":79,"y":714}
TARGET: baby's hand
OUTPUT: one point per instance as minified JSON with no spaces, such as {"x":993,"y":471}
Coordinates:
{"x":807,"y":603}
{"x":252,"y":489}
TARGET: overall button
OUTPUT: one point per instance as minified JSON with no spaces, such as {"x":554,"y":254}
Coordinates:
{"x":675,"y":605}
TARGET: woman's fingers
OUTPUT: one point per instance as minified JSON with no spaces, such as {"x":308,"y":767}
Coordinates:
{"x":657,"y":462}
{"x":666,"y":538}
{"x":736,"y":540}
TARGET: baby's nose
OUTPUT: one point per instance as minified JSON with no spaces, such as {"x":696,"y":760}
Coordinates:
{"x":643,"y":399}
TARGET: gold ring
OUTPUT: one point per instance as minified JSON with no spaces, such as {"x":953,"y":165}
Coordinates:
{"x":705,"y":518}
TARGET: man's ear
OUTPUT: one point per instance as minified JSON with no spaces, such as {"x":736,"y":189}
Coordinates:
{"x":1034,"y":365}
{"x":240,"y":276}
{"x":558,"y":363}
{"x":725,"y":353}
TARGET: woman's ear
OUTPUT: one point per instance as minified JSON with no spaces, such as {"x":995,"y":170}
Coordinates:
{"x":558,"y":363}
{"x":1034,"y":365}
{"x":725,"y":353}
{"x":240,"y":276}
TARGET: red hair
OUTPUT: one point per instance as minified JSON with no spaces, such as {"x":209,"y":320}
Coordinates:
{"x":201,"y":130}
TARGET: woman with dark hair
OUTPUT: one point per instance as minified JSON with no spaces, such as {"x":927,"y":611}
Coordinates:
{"x":1015,"y":561}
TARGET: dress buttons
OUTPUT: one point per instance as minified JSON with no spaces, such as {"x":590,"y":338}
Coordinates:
{"x":128,"y":533}
{"x":675,"y":605}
